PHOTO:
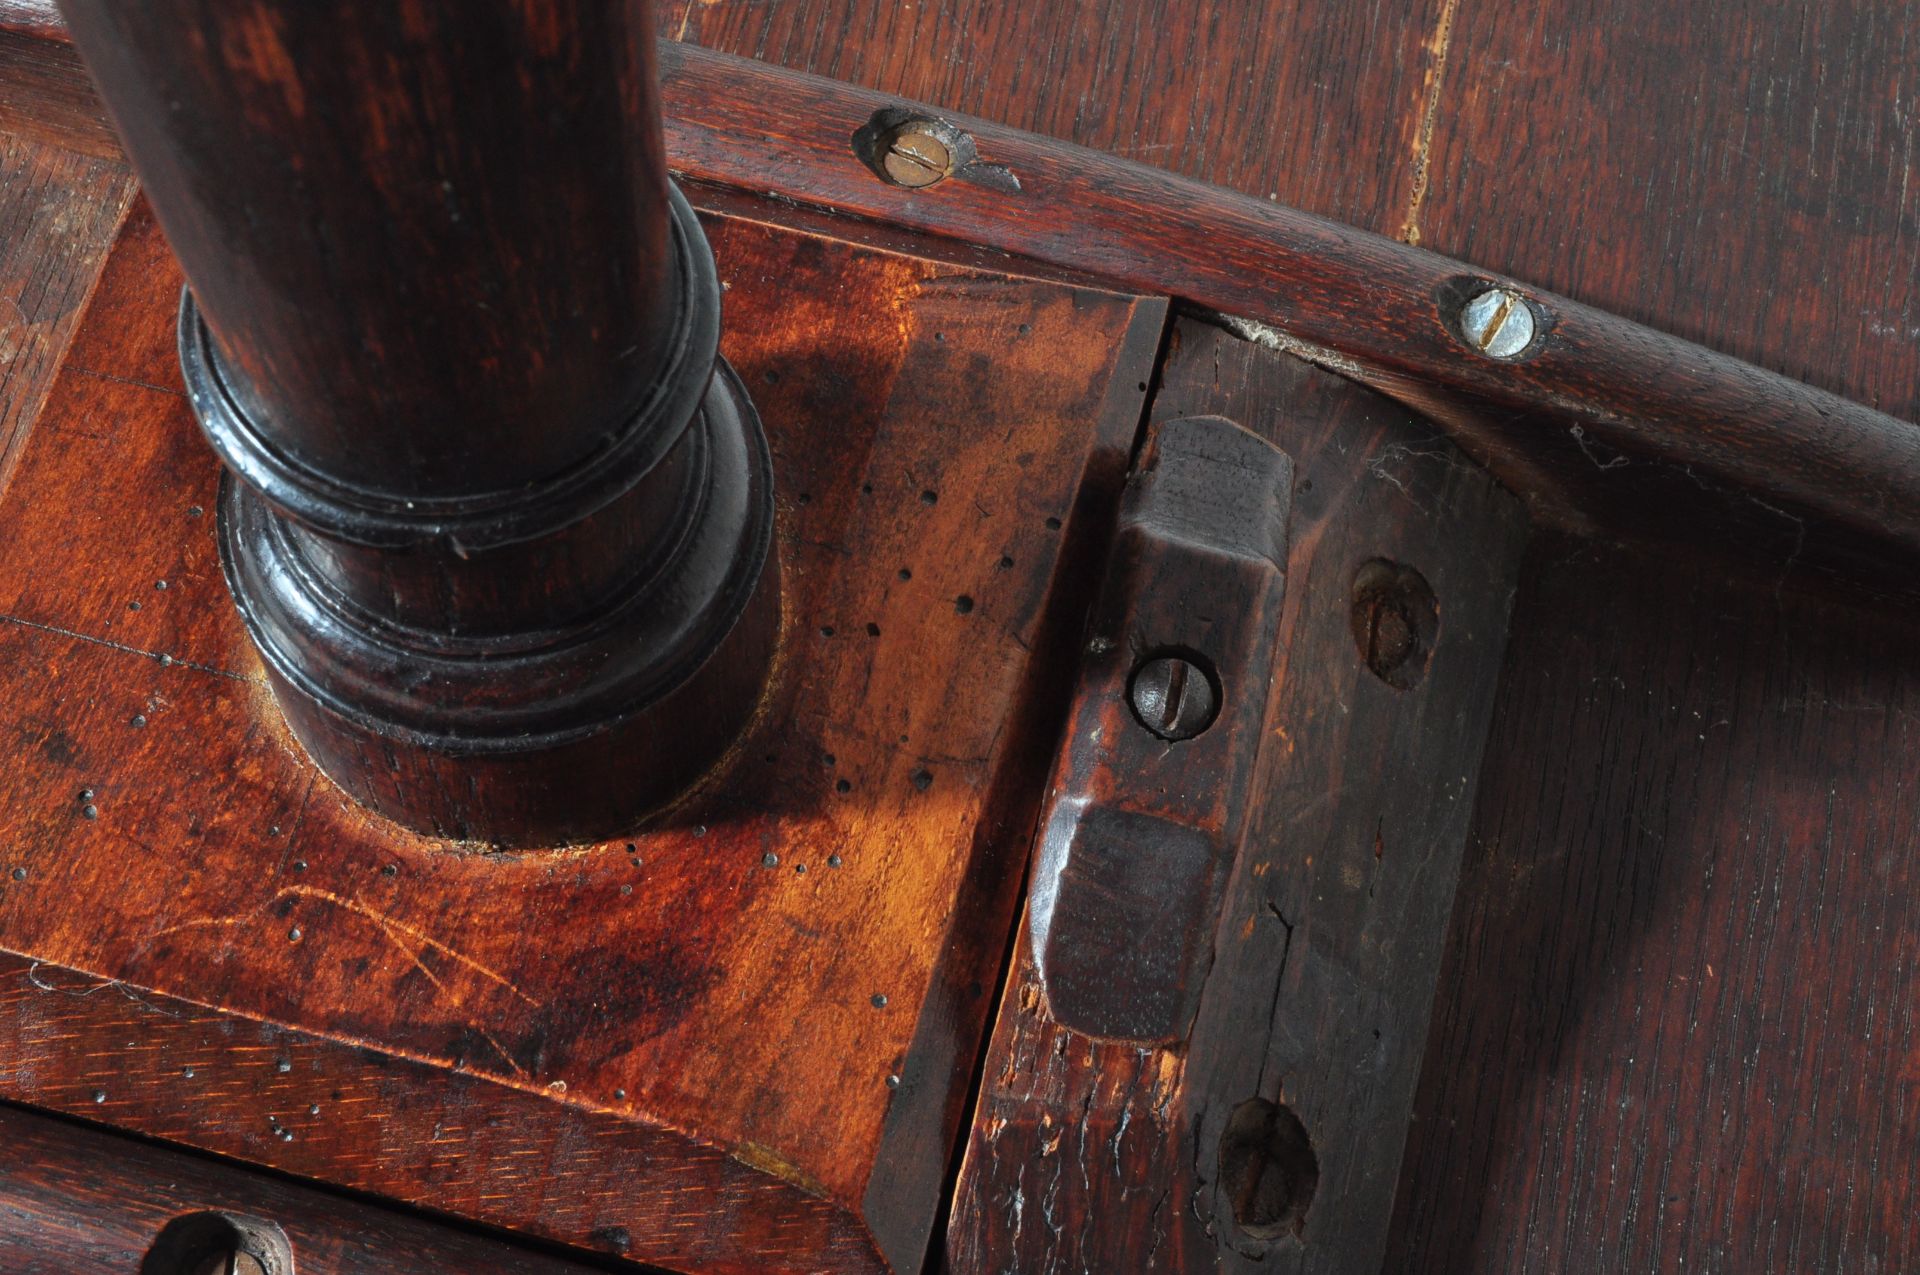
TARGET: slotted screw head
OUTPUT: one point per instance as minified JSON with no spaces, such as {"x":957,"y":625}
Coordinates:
{"x":1173,"y":698}
{"x":916,"y":159}
{"x":1499,"y":323}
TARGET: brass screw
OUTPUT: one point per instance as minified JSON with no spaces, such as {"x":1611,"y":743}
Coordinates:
{"x":231,"y":1263}
{"x":916,"y":159}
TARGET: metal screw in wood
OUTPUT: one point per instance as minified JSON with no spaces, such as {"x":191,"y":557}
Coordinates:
{"x":237,"y":1262}
{"x":916,"y":159}
{"x":1499,"y":323}
{"x":1173,"y":698}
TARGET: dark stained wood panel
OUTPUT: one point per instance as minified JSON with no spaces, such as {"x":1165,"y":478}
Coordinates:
{"x":58,"y":211}
{"x":1319,"y":106}
{"x":1668,"y":162}
{"x":1605,"y":426}
{"x":1742,"y":173}
{"x":45,"y":93}
{"x":1675,"y":1026}
{"x":738,"y":1040}
{"x":1096,"y":1157}
{"x":1599,"y":422}
{"x":80,"y":1201}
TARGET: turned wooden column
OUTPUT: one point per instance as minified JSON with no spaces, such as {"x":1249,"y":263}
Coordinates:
{"x":497,"y":516}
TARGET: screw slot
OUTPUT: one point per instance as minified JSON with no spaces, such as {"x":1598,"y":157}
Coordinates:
{"x":1395,"y":619}
{"x":1268,"y":1169}
{"x":915,"y":159}
{"x":910,"y":150}
{"x":1499,"y":323}
{"x":1176,"y":696}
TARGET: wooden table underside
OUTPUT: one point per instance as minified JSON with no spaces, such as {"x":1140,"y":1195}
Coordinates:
{"x":1705,"y":146}
{"x":740,"y":1039}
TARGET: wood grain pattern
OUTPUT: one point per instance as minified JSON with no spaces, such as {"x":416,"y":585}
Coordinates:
{"x":1749,"y":133}
{"x":45,"y":92}
{"x":768,"y":1003}
{"x":80,"y":1201}
{"x":58,"y":213}
{"x":1645,"y":175}
{"x":1317,"y":106}
{"x":1597,"y":422}
{"x":498,"y":517}
{"x":1146,"y":808}
{"x":32,"y":17}
{"x":1602,"y":425}
{"x":1739,"y":173}
{"x":1675,"y":1026}
{"x":1090,"y":1156}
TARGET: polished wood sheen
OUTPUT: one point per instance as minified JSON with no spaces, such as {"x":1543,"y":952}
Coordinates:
{"x":1598,"y":421}
{"x":1606,"y":427}
{"x":498,"y":521}
{"x":58,"y":212}
{"x":1147,"y":804}
{"x":739,"y":1040}
{"x":1670,"y":1030}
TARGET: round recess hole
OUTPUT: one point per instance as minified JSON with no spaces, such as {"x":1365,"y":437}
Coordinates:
{"x":219,"y":1244}
{"x":1268,"y":1169}
{"x":1396,"y":620}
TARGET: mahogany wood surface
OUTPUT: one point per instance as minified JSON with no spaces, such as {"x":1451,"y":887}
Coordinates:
{"x":79,"y":1201}
{"x":1101,"y":1156}
{"x":498,"y":517}
{"x":739,"y":1041}
{"x":341,"y":302}
{"x":1732,"y":172}
{"x":1318,"y":106}
{"x":45,"y":93}
{"x":1675,"y":1028}
{"x":1596,"y":421}
{"x":1644,"y":159}
{"x":58,"y":211}
{"x":1146,"y":809}
{"x":1602,"y":423}
{"x":1736,"y":171}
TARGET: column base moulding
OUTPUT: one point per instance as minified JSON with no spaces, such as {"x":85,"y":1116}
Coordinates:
{"x":740,"y":1038}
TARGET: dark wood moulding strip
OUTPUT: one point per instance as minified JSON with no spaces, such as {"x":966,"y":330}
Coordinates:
{"x":1376,"y":310}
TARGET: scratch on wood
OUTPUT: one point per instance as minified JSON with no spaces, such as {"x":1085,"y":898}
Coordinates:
{"x":391,"y":929}
{"x":386,"y":925}
{"x":33,"y":978}
{"x":1269,"y":337}
{"x":1429,"y":115}
{"x":354,"y":905}
{"x":122,"y":647}
{"x":128,"y":380}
